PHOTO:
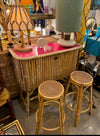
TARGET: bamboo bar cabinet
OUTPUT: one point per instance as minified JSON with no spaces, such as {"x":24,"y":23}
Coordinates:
{"x":37,"y":66}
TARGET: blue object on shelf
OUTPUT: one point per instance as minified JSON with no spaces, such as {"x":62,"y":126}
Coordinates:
{"x":93,"y":46}
{"x":98,"y":31}
{"x":86,"y":35}
{"x":30,"y":9}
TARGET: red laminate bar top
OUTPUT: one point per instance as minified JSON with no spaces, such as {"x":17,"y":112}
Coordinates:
{"x":41,"y":51}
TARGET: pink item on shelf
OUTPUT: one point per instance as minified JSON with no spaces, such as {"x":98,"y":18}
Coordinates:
{"x":55,"y":47}
{"x":46,"y":9}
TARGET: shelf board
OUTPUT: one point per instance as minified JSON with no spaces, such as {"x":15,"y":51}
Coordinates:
{"x":42,"y":16}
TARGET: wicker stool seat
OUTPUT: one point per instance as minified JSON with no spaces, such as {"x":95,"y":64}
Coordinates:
{"x":82,"y":81}
{"x":50,"y":92}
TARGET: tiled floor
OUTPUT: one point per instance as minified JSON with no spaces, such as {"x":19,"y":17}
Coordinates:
{"x":88,"y":124}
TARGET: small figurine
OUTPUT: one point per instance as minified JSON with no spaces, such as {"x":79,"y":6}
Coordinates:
{"x":38,"y":5}
{"x":41,"y":42}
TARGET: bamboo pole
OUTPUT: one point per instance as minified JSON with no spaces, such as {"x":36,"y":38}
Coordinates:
{"x":15,"y":2}
{"x":18,"y":3}
{"x":3,"y":15}
{"x":1,"y":48}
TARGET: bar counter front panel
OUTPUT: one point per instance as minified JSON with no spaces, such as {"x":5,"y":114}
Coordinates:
{"x":37,"y":66}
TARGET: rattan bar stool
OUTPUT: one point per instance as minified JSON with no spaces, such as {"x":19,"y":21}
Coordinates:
{"x":82,"y":81}
{"x":50,"y":92}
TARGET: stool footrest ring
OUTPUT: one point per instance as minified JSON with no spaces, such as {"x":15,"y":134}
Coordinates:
{"x":73,"y":109}
{"x":49,"y":129}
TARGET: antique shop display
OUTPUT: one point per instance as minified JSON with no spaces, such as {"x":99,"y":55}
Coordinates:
{"x":49,"y":65}
{"x":34,"y":67}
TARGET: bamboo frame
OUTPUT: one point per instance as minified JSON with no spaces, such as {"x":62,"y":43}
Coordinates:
{"x":31,"y":71}
{"x":45,"y":100}
{"x":73,"y":109}
{"x":49,"y":129}
{"x":3,"y":15}
{"x":81,"y":87}
{"x":17,"y":124}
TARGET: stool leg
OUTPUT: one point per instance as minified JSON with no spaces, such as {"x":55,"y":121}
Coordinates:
{"x":39,"y":116}
{"x":75,"y":95}
{"x":76,"y":90}
{"x":61,"y":113}
{"x":67,"y":87}
{"x":27,"y":103}
{"x":77,"y":115}
{"x":91,"y":100}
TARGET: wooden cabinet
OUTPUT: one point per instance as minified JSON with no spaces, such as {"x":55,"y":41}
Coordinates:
{"x":7,"y":70}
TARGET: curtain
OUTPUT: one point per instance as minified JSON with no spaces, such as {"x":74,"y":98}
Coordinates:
{"x":85,"y":12}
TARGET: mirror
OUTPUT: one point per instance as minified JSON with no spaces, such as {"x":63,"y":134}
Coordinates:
{"x":90,"y":23}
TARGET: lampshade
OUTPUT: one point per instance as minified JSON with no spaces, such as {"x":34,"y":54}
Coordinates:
{"x":68,"y":15}
{"x":19,"y":19}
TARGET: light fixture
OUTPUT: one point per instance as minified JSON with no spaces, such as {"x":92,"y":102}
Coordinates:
{"x":68,"y":19}
{"x":89,"y":27}
{"x":0,"y":40}
{"x":7,"y":12}
{"x":19,"y":20}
